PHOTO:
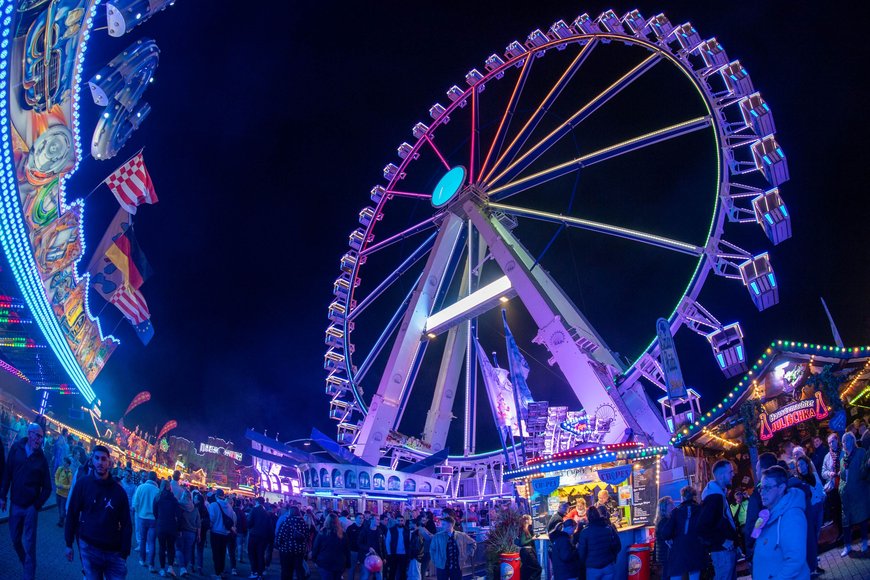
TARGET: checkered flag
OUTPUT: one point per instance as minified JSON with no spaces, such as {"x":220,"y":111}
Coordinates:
{"x":131,"y":184}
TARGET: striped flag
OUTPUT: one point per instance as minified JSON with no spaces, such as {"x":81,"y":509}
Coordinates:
{"x":131,"y":303}
{"x":131,"y":184}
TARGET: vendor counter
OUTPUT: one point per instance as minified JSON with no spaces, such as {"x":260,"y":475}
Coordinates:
{"x":628,"y":536}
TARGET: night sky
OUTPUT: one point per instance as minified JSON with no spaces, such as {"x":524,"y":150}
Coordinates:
{"x":272,"y":121}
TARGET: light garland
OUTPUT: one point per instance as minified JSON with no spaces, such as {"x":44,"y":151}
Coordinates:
{"x":599,"y":457}
{"x":718,"y":439}
{"x":847,"y":391}
{"x":839,"y":352}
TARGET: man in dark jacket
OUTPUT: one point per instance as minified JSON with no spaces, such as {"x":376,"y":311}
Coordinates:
{"x":598,"y":546}
{"x":352,"y":533}
{"x":555,"y":521}
{"x":259,"y":532}
{"x":566,"y":560}
{"x":716,"y":524}
{"x":371,"y":541}
{"x":99,"y":516}
{"x":26,"y":472}
{"x":398,"y":542}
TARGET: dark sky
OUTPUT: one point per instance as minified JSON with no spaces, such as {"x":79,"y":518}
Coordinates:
{"x":270,"y":124}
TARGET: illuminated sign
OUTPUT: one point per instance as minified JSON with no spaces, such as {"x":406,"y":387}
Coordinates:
{"x":545,"y":485}
{"x":214,"y":449}
{"x":614,"y":475}
{"x":670,"y":362}
{"x":791,"y":415}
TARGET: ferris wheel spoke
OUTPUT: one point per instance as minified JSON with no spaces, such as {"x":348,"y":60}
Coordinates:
{"x":415,"y":229}
{"x":600,"y":227}
{"x":507,"y":116}
{"x":437,"y":152}
{"x":545,"y":175}
{"x":385,"y":335}
{"x":472,"y":157}
{"x":408,"y":194}
{"x":543,"y":108}
{"x":388,"y":281}
{"x":539,"y":148}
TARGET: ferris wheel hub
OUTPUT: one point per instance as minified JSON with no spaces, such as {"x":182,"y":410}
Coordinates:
{"x":448,"y":186}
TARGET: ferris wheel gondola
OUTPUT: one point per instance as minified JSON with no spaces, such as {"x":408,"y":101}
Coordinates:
{"x":443,"y":244}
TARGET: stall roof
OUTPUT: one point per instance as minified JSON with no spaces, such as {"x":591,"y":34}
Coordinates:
{"x":582,"y":457}
{"x":716,"y":427}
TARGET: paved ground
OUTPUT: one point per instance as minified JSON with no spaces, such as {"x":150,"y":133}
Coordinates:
{"x":838,"y":568}
{"x":52,"y":565}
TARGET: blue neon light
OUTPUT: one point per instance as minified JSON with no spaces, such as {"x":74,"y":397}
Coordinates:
{"x":772,"y":280}
{"x":740,"y":352}
{"x":767,"y":159}
{"x":782,"y":209}
{"x":721,"y":358}
{"x":768,"y":218}
{"x":448,"y":186}
{"x":13,"y":235}
{"x":754,"y":287}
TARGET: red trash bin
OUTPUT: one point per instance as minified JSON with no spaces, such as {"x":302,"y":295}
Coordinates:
{"x":639,"y":558}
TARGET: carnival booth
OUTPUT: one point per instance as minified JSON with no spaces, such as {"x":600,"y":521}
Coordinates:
{"x":627,"y":472}
{"x":794,"y":392}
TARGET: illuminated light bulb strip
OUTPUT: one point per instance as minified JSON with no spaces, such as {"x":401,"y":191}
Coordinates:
{"x":840,"y":352}
{"x":19,"y":343}
{"x":848,"y":390}
{"x":586,"y":451}
{"x":718,"y":439}
{"x":13,"y":235}
{"x":13,"y":371}
{"x":600,"y":457}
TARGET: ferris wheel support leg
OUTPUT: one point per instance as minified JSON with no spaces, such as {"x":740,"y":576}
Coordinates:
{"x":441,"y":412}
{"x":387,"y":401}
{"x":571,"y":340}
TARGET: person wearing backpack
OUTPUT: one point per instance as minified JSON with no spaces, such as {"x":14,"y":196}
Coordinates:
{"x":292,"y":543}
{"x":222,"y":518}
{"x":686,"y":556}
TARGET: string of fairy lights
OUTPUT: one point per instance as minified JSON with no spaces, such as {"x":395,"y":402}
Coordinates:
{"x":749,"y":380}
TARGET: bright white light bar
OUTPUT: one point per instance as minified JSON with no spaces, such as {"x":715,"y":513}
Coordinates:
{"x":475,"y":303}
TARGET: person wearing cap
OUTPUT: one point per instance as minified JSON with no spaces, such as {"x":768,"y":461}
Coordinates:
{"x":27,"y":474}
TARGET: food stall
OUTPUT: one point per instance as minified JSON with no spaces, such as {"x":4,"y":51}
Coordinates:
{"x":628,"y":472}
{"x":793,"y":392}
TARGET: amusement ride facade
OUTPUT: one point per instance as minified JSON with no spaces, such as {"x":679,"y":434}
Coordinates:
{"x":446,"y":241}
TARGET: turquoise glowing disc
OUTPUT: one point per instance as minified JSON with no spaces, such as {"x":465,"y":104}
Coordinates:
{"x":448,"y":186}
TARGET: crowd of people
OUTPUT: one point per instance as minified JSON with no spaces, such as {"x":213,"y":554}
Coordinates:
{"x":394,"y":545}
{"x":776,"y":524}
{"x":109,"y":511}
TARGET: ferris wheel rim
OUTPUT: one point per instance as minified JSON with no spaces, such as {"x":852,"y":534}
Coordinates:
{"x":702,"y":267}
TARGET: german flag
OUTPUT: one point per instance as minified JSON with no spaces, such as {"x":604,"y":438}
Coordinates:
{"x":127,"y":256}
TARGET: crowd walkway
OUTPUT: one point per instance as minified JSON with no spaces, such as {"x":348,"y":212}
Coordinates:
{"x":52,"y":565}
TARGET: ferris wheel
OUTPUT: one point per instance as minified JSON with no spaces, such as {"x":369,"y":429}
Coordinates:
{"x":468,"y":215}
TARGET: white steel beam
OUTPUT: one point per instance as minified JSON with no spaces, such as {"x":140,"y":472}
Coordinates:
{"x":441,"y":412}
{"x":559,"y":322}
{"x":469,"y":307}
{"x":384,"y":408}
